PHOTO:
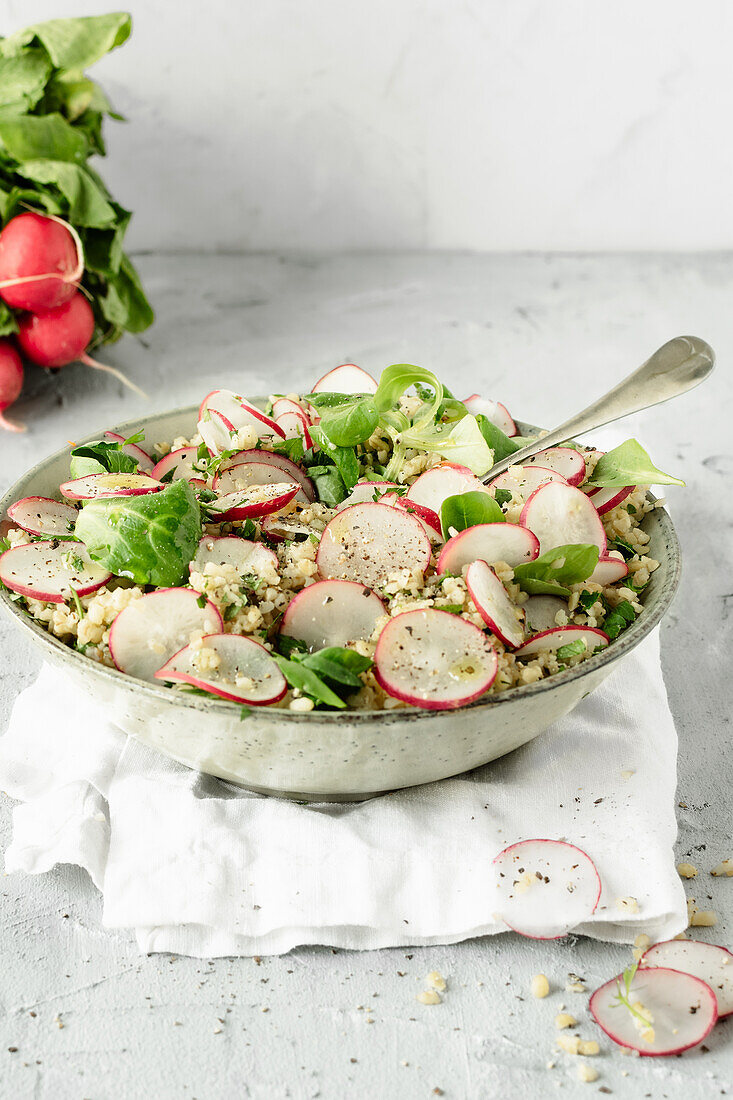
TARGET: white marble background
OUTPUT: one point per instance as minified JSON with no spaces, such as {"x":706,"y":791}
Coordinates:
{"x":408,"y":124}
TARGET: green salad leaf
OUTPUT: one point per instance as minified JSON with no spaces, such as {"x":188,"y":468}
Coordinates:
{"x":103,"y":456}
{"x":467,"y":510}
{"x":500,"y":444}
{"x":151,"y":538}
{"x":572,"y":649}
{"x":618,"y":618}
{"x":460,"y":441}
{"x":324,"y":676}
{"x":628,"y":464}
{"x":553,"y":571}
{"x":346,"y":419}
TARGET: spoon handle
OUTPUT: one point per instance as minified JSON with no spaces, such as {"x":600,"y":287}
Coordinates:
{"x":676,"y":367}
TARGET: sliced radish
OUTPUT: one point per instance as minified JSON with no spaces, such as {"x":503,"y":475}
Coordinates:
{"x":489,"y":542}
{"x":560,"y":514}
{"x":288,"y":467}
{"x":293,"y":425}
{"x":244,"y":555}
{"x":434,"y":660}
{"x":523,"y":480}
{"x":239,"y":412}
{"x":348,"y":378}
{"x":681,"y":1010}
{"x":429,"y":519}
{"x":50,"y":569}
{"x":610,"y":568}
{"x":143,"y":459}
{"x":150,"y":630}
{"x":216,"y":432}
{"x":559,"y":636}
{"x":235,"y":478}
{"x":363,"y":493}
{"x":493,"y":604}
{"x":540,"y":612}
{"x":493,"y":410}
{"x":43,"y":516}
{"x":545,"y":888}
{"x":258,"y":500}
{"x":245,"y":673}
{"x":707,"y":961}
{"x":284,"y":404}
{"x":368,"y":542}
{"x":606,"y":499}
{"x":332,"y":613}
{"x":446,"y":480}
{"x":564,"y":460}
{"x":285,"y":528}
{"x":180,"y":462}
{"x":109,"y":485}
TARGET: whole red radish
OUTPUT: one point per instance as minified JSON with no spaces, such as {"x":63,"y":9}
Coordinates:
{"x":41,"y":262}
{"x":60,"y":336}
{"x":11,"y":383}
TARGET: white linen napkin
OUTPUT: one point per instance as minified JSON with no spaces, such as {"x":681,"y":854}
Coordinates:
{"x":199,"y":867}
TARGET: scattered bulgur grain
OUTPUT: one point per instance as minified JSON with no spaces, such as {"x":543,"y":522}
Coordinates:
{"x":587,"y":1073}
{"x":428,"y":997}
{"x":563,"y":1020}
{"x":540,"y":986}
{"x":686,"y":870}
{"x":724,"y":868}
{"x":627,"y":905}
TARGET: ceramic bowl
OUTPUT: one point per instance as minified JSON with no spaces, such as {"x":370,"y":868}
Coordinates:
{"x":330,"y":756}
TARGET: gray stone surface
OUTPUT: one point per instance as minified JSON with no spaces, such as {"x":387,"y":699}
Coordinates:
{"x":90,"y":1017}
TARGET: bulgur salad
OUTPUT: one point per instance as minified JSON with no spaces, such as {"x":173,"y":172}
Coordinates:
{"x":338,"y":549}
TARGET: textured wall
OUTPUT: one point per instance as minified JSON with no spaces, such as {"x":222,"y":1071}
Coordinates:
{"x":421,"y":123}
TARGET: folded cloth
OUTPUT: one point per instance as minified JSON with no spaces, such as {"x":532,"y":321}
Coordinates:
{"x":198,"y":867}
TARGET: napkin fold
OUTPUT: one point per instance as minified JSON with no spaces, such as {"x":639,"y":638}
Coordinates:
{"x":199,"y":867}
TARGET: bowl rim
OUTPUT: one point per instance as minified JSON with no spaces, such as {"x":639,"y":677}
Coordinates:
{"x":631,"y":637}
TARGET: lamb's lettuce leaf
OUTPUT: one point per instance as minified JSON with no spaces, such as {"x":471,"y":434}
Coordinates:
{"x":628,"y":464}
{"x":553,"y":571}
{"x":467,"y":510}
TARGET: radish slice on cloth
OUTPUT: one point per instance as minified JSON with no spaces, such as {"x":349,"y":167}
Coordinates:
{"x":564,"y":460}
{"x":523,"y":480}
{"x":295,"y":424}
{"x":50,"y":569}
{"x":239,"y":412}
{"x":707,"y":961}
{"x":494,"y":411}
{"x":434,"y":660}
{"x":216,"y":432}
{"x":540,"y":612}
{"x":368,"y":542}
{"x":258,"y":500}
{"x":143,"y":459}
{"x":43,"y":516}
{"x":363,"y":493}
{"x":680,"y":1009}
{"x":244,"y":671}
{"x":610,"y":568}
{"x":235,"y":478}
{"x":109,"y":485}
{"x":446,"y":480}
{"x":606,"y":499}
{"x":545,"y":888}
{"x":180,"y":462}
{"x":288,"y":467}
{"x":493,"y":604}
{"x":244,"y":555}
{"x":560,"y":514}
{"x":489,"y":542}
{"x":332,"y":613}
{"x":150,"y":630}
{"x":559,"y":636}
{"x":348,"y":378}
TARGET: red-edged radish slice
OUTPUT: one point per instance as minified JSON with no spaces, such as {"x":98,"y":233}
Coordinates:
{"x":245,"y":673}
{"x":109,"y":485}
{"x":180,"y":462}
{"x":150,"y":630}
{"x":50,"y":569}
{"x":348,"y":378}
{"x":143,"y":459}
{"x":523,"y":480}
{"x":434,"y":660}
{"x":43,"y":516}
{"x":429,"y":519}
{"x":707,"y":961}
{"x":606,"y":499}
{"x":368,"y":542}
{"x":493,"y":410}
{"x":610,"y":568}
{"x":295,"y":424}
{"x":288,"y":467}
{"x":560,"y":514}
{"x":285,"y":528}
{"x":284,"y":404}
{"x":545,"y":888}
{"x":239,"y":412}
{"x":216,"y":432}
{"x":559,"y":636}
{"x":564,"y":460}
{"x":681,"y":1010}
{"x":540,"y":612}
{"x":489,"y":542}
{"x":332,"y":613}
{"x":258,"y":500}
{"x":492,"y":602}
{"x":446,"y":480}
{"x":364,"y":493}
{"x":235,"y":478}
{"x":244,"y":555}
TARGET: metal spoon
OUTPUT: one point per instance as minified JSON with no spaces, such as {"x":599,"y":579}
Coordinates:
{"x":676,"y":367}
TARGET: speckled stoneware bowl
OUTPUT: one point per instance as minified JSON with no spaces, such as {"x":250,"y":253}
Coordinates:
{"x":335,"y":756}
